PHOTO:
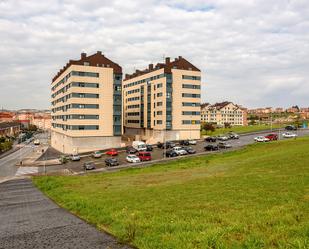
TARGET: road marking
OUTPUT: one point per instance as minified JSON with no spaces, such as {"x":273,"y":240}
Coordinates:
{"x":26,"y":171}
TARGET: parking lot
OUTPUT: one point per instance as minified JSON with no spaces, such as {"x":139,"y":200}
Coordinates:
{"x":158,"y":154}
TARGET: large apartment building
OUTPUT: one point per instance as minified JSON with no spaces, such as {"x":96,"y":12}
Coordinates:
{"x":86,"y":105}
{"x":163,"y":101}
{"x":224,"y":112}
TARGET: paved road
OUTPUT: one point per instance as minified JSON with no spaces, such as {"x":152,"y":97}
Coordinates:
{"x":30,"y":220}
{"x":8,"y":166}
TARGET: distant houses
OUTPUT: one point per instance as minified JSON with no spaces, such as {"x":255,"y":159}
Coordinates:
{"x":224,"y":113}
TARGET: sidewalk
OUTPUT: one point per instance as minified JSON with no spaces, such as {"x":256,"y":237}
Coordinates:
{"x":32,"y":159}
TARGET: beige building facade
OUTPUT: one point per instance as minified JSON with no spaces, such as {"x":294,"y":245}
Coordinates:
{"x":162,"y":102}
{"x":86,"y":105}
{"x":225,"y":112}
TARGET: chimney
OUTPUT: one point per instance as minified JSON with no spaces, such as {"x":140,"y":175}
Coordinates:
{"x":127,"y":76}
{"x":83,"y":55}
{"x":176,"y":59}
{"x":99,"y":52}
{"x":150,"y":67}
{"x":167,"y":60}
{"x":179,"y":57}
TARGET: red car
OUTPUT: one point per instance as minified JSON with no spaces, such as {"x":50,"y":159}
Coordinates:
{"x":112,"y":152}
{"x":144,"y":155}
{"x":272,"y":137}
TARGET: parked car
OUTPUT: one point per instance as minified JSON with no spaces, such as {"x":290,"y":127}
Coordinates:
{"x":233,"y":135}
{"x":75,"y":157}
{"x":210,"y":139}
{"x":36,"y":142}
{"x":133,"y":159}
{"x":222,"y":137}
{"x":184,"y":142}
{"x":291,"y":128}
{"x":166,"y":145}
{"x":112,"y":152}
{"x":224,"y":145}
{"x":171,"y":153}
{"x":211,"y":147}
{"x":131,"y":150}
{"x":144,"y":156}
{"x":261,"y":139}
{"x":97,"y":154}
{"x":111,"y":162}
{"x":149,"y":147}
{"x":139,"y":145}
{"x":180,"y":151}
{"x":189,"y":150}
{"x":192,"y":142}
{"x":89,"y":166}
{"x":272,"y":137}
{"x":289,"y":135}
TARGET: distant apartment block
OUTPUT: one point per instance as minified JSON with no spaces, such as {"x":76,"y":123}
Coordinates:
{"x":224,"y":112}
{"x":9,"y":129}
{"x":163,"y":101}
{"x":6,"y":116}
{"x":86,"y":105}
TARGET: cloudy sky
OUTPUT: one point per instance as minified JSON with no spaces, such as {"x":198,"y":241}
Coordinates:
{"x":252,"y":52}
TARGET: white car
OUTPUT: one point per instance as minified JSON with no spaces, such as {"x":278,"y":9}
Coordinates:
{"x":75,"y":157}
{"x":97,"y":154}
{"x":180,"y":151}
{"x":133,"y":159}
{"x":289,"y":135}
{"x":222,"y":138}
{"x":192,"y":142}
{"x":261,"y":139}
{"x":36,"y":142}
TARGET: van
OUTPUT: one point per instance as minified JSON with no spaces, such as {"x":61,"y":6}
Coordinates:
{"x":139,"y":145}
{"x":144,"y":156}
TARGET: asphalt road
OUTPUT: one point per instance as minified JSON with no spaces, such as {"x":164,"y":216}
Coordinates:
{"x":30,"y":220}
{"x":8,"y":166}
{"x":158,"y":153}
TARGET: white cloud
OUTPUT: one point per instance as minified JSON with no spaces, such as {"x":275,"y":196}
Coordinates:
{"x":248,"y":51}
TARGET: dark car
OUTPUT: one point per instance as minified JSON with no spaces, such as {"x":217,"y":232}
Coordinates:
{"x":131,"y":150}
{"x":149,"y":147}
{"x":171,"y":153}
{"x":211,"y":139}
{"x":89,"y":166}
{"x":224,"y":145}
{"x":184,"y":142}
{"x":272,"y":137}
{"x":291,"y":128}
{"x":189,"y":150}
{"x":233,"y":135}
{"x":111,"y":162}
{"x":211,"y":147}
{"x":166,"y":145}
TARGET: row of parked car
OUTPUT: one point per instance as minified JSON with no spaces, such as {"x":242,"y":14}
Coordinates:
{"x":273,"y":137}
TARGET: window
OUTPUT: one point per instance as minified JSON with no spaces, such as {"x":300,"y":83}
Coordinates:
{"x":190,"y":86}
{"x":186,"y":122}
{"x":191,"y":95}
{"x":159,"y":112}
{"x":191,"y":113}
{"x":159,"y":103}
{"x":190,"y":104}
{"x":159,"y":94}
{"x":159,"y":85}
{"x":84,"y":127}
{"x":159,"y":122}
{"x":189,"y":77}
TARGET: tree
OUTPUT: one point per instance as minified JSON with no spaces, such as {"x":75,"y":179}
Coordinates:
{"x":32,"y":127}
{"x":208,"y":127}
{"x":227,"y":125}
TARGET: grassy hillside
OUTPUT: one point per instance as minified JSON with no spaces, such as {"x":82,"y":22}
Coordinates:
{"x":254,"y":198}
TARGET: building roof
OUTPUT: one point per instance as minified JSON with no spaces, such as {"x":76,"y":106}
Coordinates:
{"x":95,"y":60}
{"x":5,"y":125}
{"x":178,"y":63}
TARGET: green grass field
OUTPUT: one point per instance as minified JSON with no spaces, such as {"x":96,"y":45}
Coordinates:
{"x":257,"y":197}
{"x":242,"y":129}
